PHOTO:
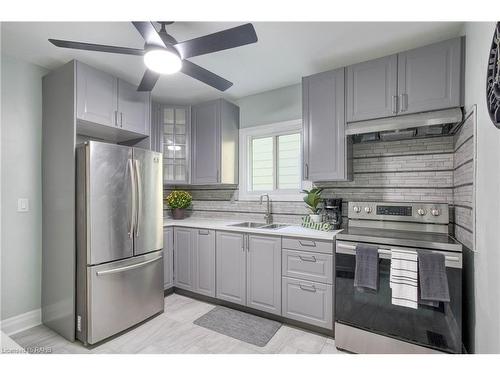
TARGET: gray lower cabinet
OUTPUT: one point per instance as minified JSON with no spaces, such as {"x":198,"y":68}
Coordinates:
{"x":183,"y":258}
{"x":168,"y":258}
{"x":326,"y":149}
{"x":308,"y":266}
{"x":372,"y":89}
{"x":249,"y":270}
{"x":96,"y":95}
{"x":264,"y":273}
{"x":133,"y":108}
{"x":204,"y":261}
{"x":430,"y":77}
{"x":214,"y":139}
{"x":308,"y":301}
{"x":231,"y":267}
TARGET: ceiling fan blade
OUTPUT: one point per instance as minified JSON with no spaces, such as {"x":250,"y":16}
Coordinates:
{"x":149,"y":33}
{"x":205,"y":76}
{"x":96,"y":47}
{"x":148,"y":81}
{"x":230,"y":38}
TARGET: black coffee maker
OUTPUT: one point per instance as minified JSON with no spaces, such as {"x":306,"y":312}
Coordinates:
{"x":332,"y":211}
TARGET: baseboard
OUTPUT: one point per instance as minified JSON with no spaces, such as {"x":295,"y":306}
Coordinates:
{"x":21,"y":322}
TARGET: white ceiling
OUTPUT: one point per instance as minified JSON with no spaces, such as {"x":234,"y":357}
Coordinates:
{"x":285,"y":52}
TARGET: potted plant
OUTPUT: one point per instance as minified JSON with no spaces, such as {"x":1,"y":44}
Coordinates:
{"x":312,"y":200}
{"x":178,"y":201}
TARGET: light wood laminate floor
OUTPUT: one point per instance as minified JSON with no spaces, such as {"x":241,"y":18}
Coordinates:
{"x":174,"y":332}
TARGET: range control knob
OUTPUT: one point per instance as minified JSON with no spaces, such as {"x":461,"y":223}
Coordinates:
{"x":435,"y":212}
{"x":421,"y":212}
{"x":368,"y":209}
{"x":357,"y":209}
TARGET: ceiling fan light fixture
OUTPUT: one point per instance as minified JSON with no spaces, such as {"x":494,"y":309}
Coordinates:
{"x":162,"y":60}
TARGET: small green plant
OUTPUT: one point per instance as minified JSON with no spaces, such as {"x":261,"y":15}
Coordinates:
{"x":312,"y":199}
{"x":179,"y":199}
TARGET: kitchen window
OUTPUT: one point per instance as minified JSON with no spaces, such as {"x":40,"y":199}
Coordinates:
{"x":271,"y":160}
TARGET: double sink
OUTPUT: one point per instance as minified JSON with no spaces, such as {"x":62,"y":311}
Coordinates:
{"x":250,"y":224}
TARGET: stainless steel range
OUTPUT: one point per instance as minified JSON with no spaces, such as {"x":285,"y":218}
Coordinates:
{"x":369,"y":322}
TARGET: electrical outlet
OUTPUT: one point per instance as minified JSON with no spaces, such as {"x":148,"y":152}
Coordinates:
{"x":23,"y":205}
{"x":79,"y":323}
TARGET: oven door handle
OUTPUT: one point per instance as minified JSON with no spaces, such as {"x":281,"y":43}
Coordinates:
{"x":351,"y":250}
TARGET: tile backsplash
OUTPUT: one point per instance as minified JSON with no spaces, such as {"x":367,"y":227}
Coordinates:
{"x":463,"y":184}
{"x":405,"y":170}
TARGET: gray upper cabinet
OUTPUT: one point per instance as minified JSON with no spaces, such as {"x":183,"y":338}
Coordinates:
{"x":183,"y":259}
{"x":96,"y":96}
{"x":168,"y":258}
{"x":429,"y":78}
{"x":133,"y":108}
{"x":214,"y":129}
{"x":204,"y":261}
{"x":206,"y":143}
{"x":231,"y":267}
{"x":102,"y":99}
{"x":175,"y":134}
{"x":326,"y":148}
{"x":372,"y":89}
{"x":264,"y":273}
{"x":423,"y":79}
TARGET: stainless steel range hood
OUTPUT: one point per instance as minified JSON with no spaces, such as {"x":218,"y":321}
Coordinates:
{"x":427,"y":124}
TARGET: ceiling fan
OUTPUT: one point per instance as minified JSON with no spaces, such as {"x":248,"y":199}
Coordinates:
{"x":164,"y":55}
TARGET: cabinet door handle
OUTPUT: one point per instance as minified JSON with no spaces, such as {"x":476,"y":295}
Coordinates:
{"x":308,"y":259}
{"x":309,"y":288}
{"x":307,"y":244}
{"x":306,"y":171}
{"x":121,"y":119}
{"x":204,"y":232}
{"x":404,"y":102}
{"x":218,"y":175}
{"x":394,"y":104}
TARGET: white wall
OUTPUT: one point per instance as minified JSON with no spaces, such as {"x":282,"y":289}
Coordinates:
{"x":278,"y":105}
{"x":21,"y":240}
{"x":487,"y":258}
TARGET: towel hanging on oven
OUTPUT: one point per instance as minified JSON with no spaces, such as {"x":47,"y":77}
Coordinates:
{"x":404,"y":278}
{"x":366,"y":270}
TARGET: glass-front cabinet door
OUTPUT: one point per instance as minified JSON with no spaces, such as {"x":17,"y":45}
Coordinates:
{"x":175,"y":125}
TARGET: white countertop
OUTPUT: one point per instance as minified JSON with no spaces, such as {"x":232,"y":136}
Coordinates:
{"x":289,"y":231}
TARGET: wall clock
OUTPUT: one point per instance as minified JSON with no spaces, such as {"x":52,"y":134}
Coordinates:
{"x":493,"y":79}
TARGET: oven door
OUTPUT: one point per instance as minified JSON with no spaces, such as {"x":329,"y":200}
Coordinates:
{"x":434,"y":327}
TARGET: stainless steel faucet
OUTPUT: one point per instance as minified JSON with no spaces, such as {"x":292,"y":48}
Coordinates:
{"x":267,"y":216}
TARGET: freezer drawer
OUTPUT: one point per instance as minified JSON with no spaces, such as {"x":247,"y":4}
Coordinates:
{"x":123,"y":293}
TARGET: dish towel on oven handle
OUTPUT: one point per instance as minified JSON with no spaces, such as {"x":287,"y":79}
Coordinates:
{"x":404,"y":278}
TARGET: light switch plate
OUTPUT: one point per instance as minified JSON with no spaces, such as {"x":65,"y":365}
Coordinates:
{"x":23,"y":205}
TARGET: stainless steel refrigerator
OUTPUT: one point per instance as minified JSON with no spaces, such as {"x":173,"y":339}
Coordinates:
{"x":119,"y":239}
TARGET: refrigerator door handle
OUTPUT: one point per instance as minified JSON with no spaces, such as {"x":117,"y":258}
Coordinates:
{"x":138,"y":180}
{"x":132,"y":187}
{"x":128,"y":268}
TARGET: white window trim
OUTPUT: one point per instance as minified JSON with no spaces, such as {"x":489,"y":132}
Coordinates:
{"x":260,"y":131}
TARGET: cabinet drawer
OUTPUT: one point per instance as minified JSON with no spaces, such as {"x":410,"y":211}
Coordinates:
{"x":303,"y":244}
{"x":307,"y":265}
{"x":308,"y":302}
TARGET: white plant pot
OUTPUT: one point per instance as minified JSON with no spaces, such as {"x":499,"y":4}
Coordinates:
{"x":315,"y":218}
